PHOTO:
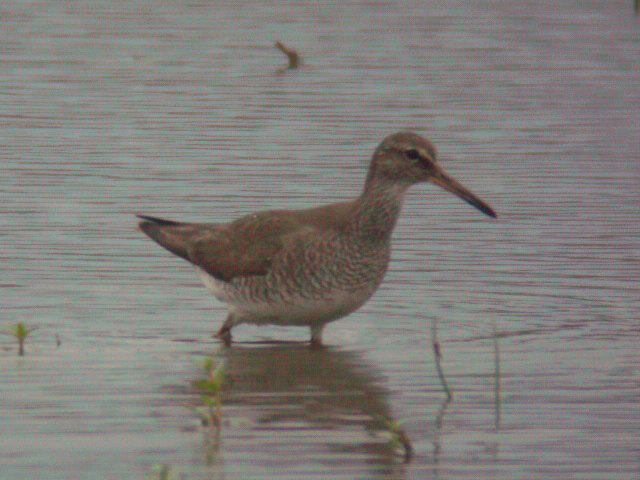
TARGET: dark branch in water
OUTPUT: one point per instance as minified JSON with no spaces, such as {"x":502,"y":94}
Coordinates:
{"x":294,"y":58}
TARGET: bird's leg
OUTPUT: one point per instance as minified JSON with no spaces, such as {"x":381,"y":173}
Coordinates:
{"x":316,"y":335}
{"x":224,"y":333}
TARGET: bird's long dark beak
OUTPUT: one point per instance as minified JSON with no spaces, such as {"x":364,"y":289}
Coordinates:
{"x":446,"y":181}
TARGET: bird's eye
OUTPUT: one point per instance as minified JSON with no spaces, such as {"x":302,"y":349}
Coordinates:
{"x":412,"y":154}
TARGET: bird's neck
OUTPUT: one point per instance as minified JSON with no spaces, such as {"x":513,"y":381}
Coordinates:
{"x":376,"y":211}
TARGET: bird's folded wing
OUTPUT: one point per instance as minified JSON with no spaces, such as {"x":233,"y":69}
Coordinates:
{"x":226,"y":251}
{"x":246,"y":246}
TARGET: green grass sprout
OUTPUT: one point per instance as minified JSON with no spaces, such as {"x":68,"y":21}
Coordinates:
{"x":20,"y":331}
{"x":398,"y":438}
{"x":210,"y":387}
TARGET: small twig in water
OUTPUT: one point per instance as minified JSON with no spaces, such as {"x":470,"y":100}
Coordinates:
{"x":438,"y":355}
{"x":496,"y":373}
{"x":294,"y":58}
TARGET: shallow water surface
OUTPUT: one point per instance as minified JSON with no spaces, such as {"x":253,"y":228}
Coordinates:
{"x":182,"y":110}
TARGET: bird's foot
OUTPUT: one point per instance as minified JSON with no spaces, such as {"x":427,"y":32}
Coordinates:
{"x":224,"y":334}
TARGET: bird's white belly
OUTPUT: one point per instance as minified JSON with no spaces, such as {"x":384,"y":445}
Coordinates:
{"x":292,"y":311}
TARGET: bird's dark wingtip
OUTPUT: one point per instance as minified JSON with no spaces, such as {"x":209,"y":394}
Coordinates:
{"x":156,"y":220}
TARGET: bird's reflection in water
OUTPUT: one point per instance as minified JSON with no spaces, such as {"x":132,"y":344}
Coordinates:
{"x":307,"y":404}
